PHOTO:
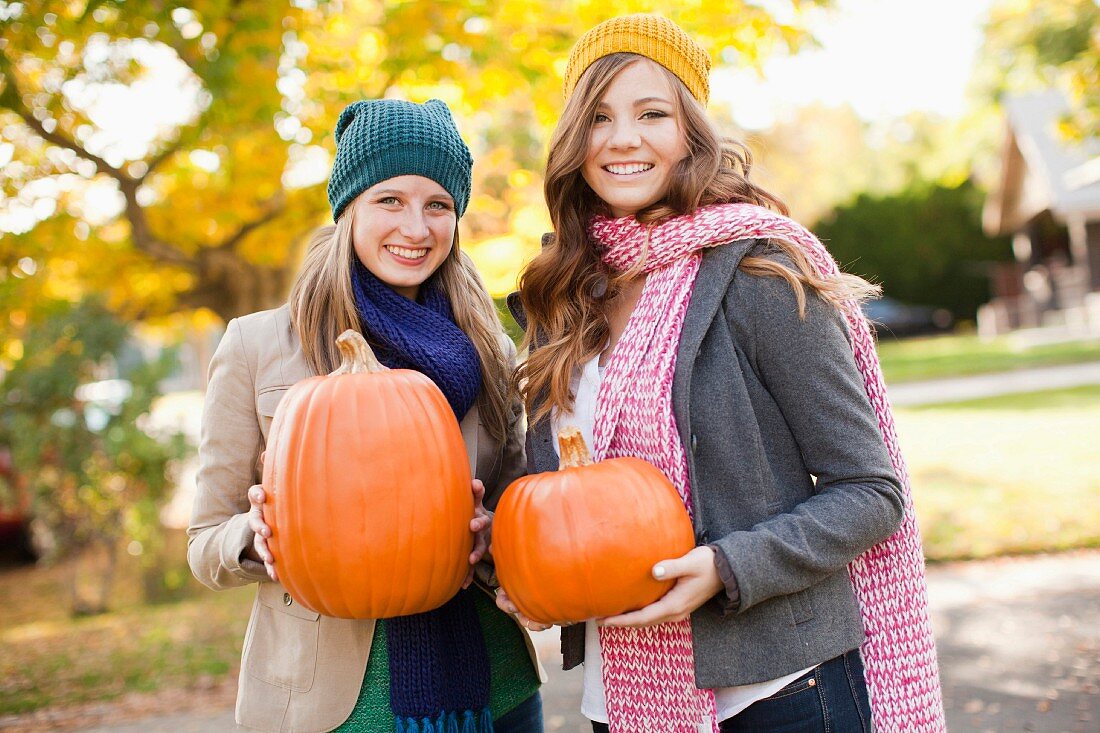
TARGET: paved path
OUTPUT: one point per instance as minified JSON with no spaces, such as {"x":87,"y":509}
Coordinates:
{"x":991,"y":385}
{"x":1018,"y":639}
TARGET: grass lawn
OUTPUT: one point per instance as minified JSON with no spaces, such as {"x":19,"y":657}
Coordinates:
{"x":1002,"y":475}
{"x":49,"y":659}
{"x":936,"y":357}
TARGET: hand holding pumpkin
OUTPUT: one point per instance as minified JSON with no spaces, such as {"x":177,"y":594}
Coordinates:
{"x":480,"y":525}
{"x":261,"y":531}
{"x":504,"y":603}
{"x":697,"y":581}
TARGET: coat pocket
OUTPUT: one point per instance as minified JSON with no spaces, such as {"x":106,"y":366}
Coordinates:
{"x":281,"y":642}
{"x":267,"y":401}
{"x":801,"y":608}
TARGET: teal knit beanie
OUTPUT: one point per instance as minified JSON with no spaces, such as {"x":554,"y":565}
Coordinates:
{"x":378,"y":139}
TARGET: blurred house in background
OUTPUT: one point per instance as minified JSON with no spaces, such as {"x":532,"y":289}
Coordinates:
{"x":1048,"y":200}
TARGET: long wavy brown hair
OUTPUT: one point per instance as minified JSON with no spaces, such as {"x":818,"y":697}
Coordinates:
{"x":322,"y":306}
{"x":566,"y":288}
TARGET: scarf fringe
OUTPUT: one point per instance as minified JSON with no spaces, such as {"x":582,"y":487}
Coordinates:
{"x":448,"y":723}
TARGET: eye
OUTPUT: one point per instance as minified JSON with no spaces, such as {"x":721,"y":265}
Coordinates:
{"x":439,"y":206}
{"x":653,"y":114}
{"x":389,"y":201}
{"x":600,"y":117}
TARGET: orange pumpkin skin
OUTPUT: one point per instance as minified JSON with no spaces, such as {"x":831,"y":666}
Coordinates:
{"x":581,"y":542}
{"x":368,"y":495}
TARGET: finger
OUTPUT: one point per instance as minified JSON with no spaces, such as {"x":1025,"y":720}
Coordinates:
{"x":654,"y":613}
{"x":670,"y":569}
{"x":257,"y":496}
{"x":257,"y":524}
{"x":480,"y":523}
{"x":532,"y":625}
{"x":263,"y":455}
{"x":504,"y":603}
{"x":469,"y":577}
{"x":478,"y":489}
{"x":271,"y":572}
{"x":263,"y":550}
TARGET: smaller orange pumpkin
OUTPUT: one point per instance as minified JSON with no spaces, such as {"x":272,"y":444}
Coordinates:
{"x":581,"y":542}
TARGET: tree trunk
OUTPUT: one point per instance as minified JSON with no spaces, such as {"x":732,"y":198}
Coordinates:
{"x":231,"y":287}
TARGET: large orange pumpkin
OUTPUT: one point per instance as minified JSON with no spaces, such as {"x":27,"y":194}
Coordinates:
{"x":368,"y":491}
{"x":581,"y":542}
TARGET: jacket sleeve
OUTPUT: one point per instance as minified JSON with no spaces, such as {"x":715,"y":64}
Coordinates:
{"x":513,"y":455}
{"x":513,"y":465}
{"x":229,"y":450}
{"x":808,"y":367}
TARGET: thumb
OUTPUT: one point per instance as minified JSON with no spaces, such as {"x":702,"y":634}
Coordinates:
{"x":670,"y":569}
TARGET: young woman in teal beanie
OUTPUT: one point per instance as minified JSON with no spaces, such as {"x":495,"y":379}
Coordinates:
{"x":392,"y":269}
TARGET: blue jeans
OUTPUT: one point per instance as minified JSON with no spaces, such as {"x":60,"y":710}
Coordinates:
{"x":832,"y":698}
{"x":524,"y":718}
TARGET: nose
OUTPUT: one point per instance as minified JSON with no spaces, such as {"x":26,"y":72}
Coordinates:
{"x":414,"y":226}
{"x":624,"y":135}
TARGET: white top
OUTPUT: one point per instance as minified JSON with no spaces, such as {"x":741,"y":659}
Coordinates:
{"x":730,"y":700}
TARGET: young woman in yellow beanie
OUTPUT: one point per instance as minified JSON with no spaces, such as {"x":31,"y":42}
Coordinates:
{"x":391,"y":269}
{"x":677,"y":315}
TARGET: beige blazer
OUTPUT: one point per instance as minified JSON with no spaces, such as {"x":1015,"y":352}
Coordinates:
{"x":300,"y":671}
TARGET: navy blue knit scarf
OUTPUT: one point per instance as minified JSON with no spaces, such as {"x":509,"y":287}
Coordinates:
{"x":439,"y":666}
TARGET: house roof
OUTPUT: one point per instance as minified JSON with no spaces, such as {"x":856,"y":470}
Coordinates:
{"x":1040,"y":170}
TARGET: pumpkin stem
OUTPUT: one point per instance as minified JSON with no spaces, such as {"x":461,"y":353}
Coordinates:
{"x":356,"y":356}
{"x":573,"y":451}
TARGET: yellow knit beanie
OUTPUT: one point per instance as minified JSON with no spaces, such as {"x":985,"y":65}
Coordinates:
{"x":652,"y":36}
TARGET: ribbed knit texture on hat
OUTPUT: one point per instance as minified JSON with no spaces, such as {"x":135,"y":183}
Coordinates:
{"x":383,"y":138}
{"x":652,"y":36}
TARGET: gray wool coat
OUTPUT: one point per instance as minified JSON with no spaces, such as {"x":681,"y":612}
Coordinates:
{"x":790,"y":477}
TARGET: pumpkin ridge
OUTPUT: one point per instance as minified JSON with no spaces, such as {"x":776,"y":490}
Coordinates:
{"x":305,"y":456}
{"x":348,"y":565}
{"x":415,"y":392}
{"x":387,"y":568}
{"x":577,"y":537}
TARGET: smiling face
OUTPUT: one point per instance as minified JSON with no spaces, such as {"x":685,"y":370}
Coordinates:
{"x":636,"y":140}
{"x":403,"y":230}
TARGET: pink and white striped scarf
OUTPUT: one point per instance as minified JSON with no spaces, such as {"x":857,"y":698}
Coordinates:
{"x":648,"y":673}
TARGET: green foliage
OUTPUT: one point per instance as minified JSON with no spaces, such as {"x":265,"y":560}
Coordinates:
{"x":924,"y":245}
{"x":95,"y":471}
{"x":1033,"y":44}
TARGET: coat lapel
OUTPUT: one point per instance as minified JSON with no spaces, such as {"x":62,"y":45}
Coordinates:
{"x":715,"y":274}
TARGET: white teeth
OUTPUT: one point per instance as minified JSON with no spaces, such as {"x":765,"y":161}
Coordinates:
{"x":409,"y":254}
{"x":627,"y":169}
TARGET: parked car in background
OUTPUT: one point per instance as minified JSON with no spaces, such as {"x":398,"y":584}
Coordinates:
{"x":893,"y":318}
{"x":15,"y":512}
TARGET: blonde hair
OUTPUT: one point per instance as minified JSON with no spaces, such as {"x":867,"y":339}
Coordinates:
{"x":322,"y":306}
{"x":566,"y":288}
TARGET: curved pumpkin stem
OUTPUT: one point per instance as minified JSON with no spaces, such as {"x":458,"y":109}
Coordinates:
{"x":573,"y":451}
{"x":356,"y":356}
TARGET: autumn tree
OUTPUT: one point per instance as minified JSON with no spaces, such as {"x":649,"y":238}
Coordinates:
{"x":84,"y":450}
{"x":1038,"y":43}
{"x":204,"y":196}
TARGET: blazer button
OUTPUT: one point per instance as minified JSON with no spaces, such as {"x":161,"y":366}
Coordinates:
{"x":694,"y":445}
{"x":287,"y":600}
